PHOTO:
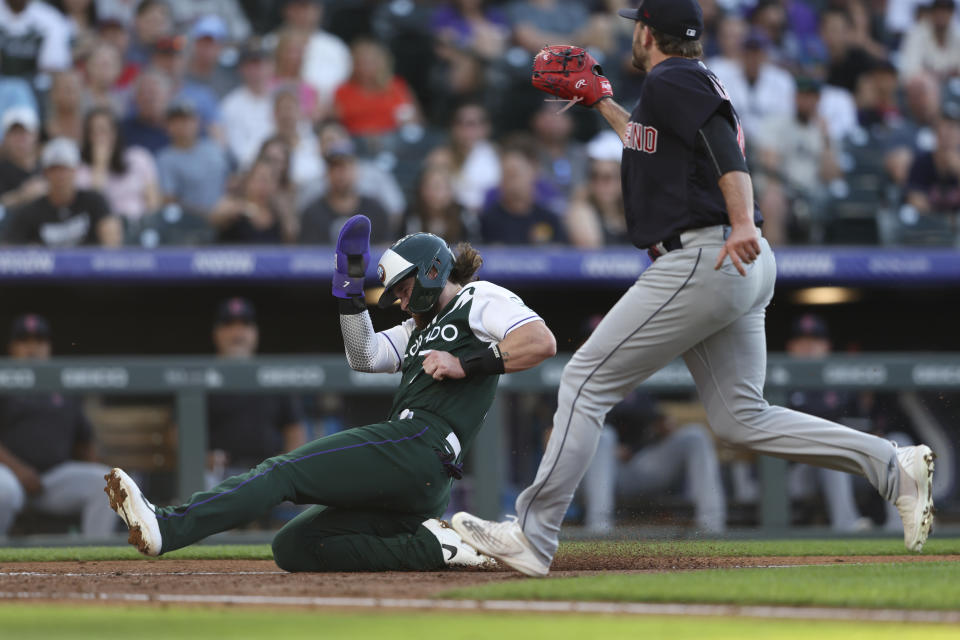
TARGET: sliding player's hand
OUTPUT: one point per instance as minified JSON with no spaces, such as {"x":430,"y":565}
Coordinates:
{"x":441,"y":365}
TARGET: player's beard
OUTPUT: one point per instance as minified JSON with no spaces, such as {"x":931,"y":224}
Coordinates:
{"x":641,"y":57}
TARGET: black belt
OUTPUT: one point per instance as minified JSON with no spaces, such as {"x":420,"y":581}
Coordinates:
{"x":665,"y":246}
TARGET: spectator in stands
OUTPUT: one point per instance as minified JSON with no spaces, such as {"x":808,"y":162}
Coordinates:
{"x":470,"y":156}
{"x":186,"y":13}
{"x":146,"y":126}
{"x":111,"y":30}
{"x":372,"y":180}
{"x":47,"y":453}
{"x":515,"y":217}
{"x":193,"y":170}
{"x":126,"y":176}
{"x":320,"y":222}
{"x":642,"y":451}
{"x":932,"y":43}
{"x":203,"y":65}
{"x":151,"y":23}
{"x":254,"y":212}
{"x":758,"y":89}
{"x":877,"y":97}
{"x":20,"y":181}
{"x":536,"y":23}
{"x":34,"y":38}
{"x":287,"y":73}
{"x":326,"y":59}
{"x":276,"y":152}
{"x":168,"y":57}
{"x":435,"y":209}
{"x":65,"y":216}
{"x":791,"y":26}
{"x":248,"y":109}
{"x":796,"y":160}
{"x":933,"y":186}
{"x":245,"y":428}
{"x":64,"y":113}
{"x":472,"y":26}
{"x":374,"y":101}
{"x":563,"y":159}
{"x":101,"y":73}
{"x":846,"y":59}
{"x":81,"y":19}
{"x":297,"y":132}
{"x":595,"y":216}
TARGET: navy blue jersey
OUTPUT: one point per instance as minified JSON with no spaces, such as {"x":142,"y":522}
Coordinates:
{"x":669,"y":182}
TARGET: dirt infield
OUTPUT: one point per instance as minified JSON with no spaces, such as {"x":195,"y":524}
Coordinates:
{"x":263,"y":578}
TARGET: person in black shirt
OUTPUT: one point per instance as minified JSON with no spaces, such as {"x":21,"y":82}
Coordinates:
{"x":46,"y":447}
{"x":516,"y":217}
{"x":321,"y":220}
{"x":19,"y":182}
{"x":66,"y":216}
{"x":244,"y":429}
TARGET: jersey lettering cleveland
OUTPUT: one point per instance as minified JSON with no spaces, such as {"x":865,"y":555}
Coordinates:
{"x":481,"y":314}
{"x":669,"y":182}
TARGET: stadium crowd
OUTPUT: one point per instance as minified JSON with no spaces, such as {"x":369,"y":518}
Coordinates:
{"x":151,"y":122}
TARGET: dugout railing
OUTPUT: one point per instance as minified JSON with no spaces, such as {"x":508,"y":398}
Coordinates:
{"x":190,"y":379}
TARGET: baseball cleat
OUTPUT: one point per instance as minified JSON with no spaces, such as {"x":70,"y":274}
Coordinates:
{"x":455,"y":552}
{"x":502,"y":540}
{"x":138,"y":514}
{"x":915,"y":502}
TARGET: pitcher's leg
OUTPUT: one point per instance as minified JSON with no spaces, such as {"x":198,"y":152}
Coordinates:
{"x":656,"y":320}
{"x":729,"y":368}
{"x":330,"y":539}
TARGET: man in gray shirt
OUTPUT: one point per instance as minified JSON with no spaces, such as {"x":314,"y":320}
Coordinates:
{"x":193,"y":171}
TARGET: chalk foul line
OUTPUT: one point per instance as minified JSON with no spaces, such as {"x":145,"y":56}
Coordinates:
{"x":520,"y":606}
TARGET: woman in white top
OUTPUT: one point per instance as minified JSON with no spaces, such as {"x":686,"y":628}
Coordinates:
{"x":126,"y":176}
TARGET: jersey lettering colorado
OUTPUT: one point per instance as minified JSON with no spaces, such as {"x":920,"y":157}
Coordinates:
{"x":481,"y":314}
{"x":669,"y":182}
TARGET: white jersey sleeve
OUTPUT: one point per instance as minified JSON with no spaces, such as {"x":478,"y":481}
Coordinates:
{"x":374,"y":352}
{"x":497,"y":311}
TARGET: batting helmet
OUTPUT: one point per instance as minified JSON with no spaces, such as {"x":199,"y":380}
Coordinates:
{"x":421,"y":254}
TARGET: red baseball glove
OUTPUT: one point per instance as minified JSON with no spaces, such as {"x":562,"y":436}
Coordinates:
{"x":570,"y":73}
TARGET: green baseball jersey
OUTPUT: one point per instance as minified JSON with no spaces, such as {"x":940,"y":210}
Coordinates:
{"x":481,"y":314}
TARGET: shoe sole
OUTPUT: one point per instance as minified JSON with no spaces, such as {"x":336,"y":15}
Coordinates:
{"x":925,"y":482}
{"x":119,"y":499}
{"x":517,"y":564}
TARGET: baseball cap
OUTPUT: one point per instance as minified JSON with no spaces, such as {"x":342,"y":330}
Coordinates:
{"x":181,"y":107}
{"x":808,"y":84}
{"x":339,"y":150}
{"x":234,"y":310}
{"x":60,"y":152}
{"x":209,"y":26}
{"x":809,"y":325}
{"x":680,"y":18}
{"x":943,"y":4}
{"x":23,"y":116}
{"x":30,"y":325}
{"x":254,"y":51}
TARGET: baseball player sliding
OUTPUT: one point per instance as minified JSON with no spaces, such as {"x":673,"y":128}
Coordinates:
{"x":378,"y":488}
{"x":689,"y":201}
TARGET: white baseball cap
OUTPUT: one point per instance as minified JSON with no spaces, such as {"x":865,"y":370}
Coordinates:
{"x":21,"y":115}
{"x":60,"y":152}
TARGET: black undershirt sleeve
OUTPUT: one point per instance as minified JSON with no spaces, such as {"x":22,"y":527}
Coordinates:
{"x":719,"y":140}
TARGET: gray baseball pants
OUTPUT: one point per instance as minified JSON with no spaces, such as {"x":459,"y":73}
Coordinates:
{"x":679,"y":306}
{"x":68,"y":488}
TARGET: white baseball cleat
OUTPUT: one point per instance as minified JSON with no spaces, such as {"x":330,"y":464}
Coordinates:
{"x":455,"y":552}
{"x":138,"y":514}
{"x":502,"y":540}
{"x":915,"y":502}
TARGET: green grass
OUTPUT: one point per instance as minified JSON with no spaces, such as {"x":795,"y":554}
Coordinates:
{"x":30,"y":621}
{"x":919,"y":585}
{"x":89,"y":554}
{"x":707,"y":548}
